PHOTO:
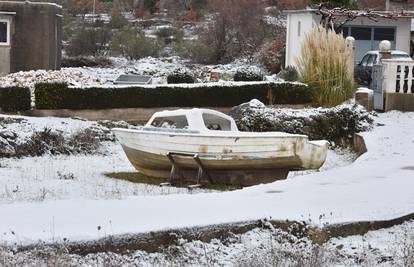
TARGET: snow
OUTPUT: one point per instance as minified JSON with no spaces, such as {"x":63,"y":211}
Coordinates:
{"x":356,"y":192}
{"x":259,"y":247}
{"x":158,"y":68}
{"x":52,"y":177}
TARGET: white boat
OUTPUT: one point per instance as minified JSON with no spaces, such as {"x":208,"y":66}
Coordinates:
{"x":226,"y":155}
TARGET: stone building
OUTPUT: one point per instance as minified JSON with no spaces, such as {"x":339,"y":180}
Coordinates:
{"x":30,"y":35}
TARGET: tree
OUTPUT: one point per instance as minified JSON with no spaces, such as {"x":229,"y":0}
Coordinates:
{"x":82,"y":7}
{"x":235,"y":29}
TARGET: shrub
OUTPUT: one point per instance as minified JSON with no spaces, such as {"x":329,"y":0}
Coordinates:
{"x":15,"y":99}
{"x":324,"y":64}
{"x":337,"y":125}
{"x":289,"y":74}
{"x":118,"y":22}
{"x":51,"y":95}
{"x":248,"y":74}
{"x":131,"y":43}
{"x":89,"y":42}
{"x":82,"y":61}
{"x":49,"y":141}
{"x":59,"y":96}
{"x":169,"y":34}
{"x":272,"y":55}
{"x":180,"y":76}
{"x":201,"y":52}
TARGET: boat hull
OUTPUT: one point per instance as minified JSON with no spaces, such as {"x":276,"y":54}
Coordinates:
{"x":241,"y":159}
{"x":247,"y":173}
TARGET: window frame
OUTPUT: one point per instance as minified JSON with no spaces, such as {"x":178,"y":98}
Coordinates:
{"x":8,"y":37}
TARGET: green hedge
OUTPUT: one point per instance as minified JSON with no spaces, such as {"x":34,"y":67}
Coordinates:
{"x":14,"y":99}
{"x":60,"y":96}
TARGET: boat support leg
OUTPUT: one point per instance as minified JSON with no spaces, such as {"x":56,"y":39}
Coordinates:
{"x":176,"y":170}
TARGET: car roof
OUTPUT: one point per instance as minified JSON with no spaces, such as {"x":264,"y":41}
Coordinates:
{"x":393,"y":52}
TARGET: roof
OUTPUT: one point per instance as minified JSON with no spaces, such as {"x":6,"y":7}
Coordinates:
{"x":185,"y":112}
{"x":396,"y":15}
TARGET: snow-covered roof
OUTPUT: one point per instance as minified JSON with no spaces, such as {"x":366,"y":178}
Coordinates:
{"x":358,"y":13}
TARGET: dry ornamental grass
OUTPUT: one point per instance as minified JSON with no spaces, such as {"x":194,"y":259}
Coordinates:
{"x":323,"y":64}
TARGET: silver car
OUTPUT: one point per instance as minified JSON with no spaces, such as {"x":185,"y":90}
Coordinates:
{"x":363,"y":70}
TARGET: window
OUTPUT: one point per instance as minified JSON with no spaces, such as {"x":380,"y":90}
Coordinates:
{"x":371,"y":60}
{"x":364,"y":61}
{"x":344,"y":31}
{"x":400,"y":56}
{"x":360,"y":33}
{"x":4,"y":32}
{"x":216,"y":123}
{"x":384,"y":34}
{"x":171,"y":122}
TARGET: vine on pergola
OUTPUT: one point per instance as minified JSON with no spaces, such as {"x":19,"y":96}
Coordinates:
{"x":336,"y":18}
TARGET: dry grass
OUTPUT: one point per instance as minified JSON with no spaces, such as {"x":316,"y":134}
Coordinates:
{"x":137,"y":177}
{"x":324,"y":64}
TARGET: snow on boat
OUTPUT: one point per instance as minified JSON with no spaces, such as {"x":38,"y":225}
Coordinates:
{"x":209,"y":140}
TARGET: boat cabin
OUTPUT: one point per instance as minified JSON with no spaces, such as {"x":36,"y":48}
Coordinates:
{"x":199,"y":120}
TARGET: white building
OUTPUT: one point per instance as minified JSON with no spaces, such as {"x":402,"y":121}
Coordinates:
{"x":367,"y":33}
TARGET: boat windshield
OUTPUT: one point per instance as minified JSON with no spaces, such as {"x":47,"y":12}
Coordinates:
{"x":172,"y":122}
{"x":216,"y":123}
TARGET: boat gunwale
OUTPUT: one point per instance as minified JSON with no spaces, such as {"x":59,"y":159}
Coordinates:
{"x":213,"y":134}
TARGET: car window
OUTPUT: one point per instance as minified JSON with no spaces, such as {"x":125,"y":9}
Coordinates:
{"x":364,"y":60}
{"x":399,"y":56}
{"x":371,"y":60}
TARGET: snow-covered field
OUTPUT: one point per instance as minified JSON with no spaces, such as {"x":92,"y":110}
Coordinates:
{"x":51,"y":198}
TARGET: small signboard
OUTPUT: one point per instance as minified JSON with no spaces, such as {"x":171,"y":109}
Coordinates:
{"x":214,"y":76}
{"x":133,"y":79}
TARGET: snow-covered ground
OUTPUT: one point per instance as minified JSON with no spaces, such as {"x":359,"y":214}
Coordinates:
{"x":39,"y":202}
{"x":359,"y":191}
{"x":259,"y":247}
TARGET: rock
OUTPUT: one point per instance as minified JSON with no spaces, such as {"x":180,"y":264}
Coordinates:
{"x":6,"y":149}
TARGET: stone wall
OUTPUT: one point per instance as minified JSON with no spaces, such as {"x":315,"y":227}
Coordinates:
{"x":36,"y":35}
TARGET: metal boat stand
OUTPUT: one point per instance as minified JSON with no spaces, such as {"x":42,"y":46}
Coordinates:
{"x":175,"y":170}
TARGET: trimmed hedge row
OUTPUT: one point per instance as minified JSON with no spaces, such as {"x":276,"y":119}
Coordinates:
{"x":14,"y":99}
{"x":60,"y":96}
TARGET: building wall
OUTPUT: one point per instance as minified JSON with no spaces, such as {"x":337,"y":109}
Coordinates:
{"x":310,"y":19}
{"x":295,"y":34}
{"x":36,"y":36}
{"x":402,"y":25}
